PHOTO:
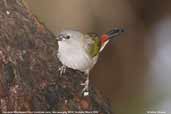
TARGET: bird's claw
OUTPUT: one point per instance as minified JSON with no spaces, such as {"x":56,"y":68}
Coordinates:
{"x":85,"y":90}
{"x":62,"y":70}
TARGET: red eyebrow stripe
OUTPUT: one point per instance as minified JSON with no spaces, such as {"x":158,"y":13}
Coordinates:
{"x":104,"y":38}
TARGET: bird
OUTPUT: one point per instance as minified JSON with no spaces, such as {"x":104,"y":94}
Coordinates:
{"x":80,"y":51}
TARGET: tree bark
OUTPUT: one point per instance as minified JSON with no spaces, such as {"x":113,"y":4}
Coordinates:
{"x":29,"y":76}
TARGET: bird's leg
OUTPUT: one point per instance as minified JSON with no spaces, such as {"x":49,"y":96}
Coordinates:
{"x":5,"y":2}
{"x":85,"y":90}
{"x":62,"y":70}
{"x":6,"y":6}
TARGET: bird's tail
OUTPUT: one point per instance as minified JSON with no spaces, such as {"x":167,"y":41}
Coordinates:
{"x":109,"y":35}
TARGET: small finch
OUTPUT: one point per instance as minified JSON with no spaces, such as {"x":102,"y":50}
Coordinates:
{"x":80,"y":51}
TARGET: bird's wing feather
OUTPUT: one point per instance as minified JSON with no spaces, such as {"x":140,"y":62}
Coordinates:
{"x":92,"y":44}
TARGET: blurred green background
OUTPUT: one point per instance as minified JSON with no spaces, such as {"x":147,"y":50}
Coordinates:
{"x":133,"y":71}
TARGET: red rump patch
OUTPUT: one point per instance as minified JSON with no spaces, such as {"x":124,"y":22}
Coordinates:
{"x":104,"y":38}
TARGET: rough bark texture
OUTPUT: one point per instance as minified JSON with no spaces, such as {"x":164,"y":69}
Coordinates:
{"x":29,"y":76}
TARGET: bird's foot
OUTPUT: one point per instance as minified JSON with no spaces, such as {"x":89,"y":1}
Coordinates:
{"x":62,"y":70}
{"x":85,"y":90}
{"x":6,"y":6}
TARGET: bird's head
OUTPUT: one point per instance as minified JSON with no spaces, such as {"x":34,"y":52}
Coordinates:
{"x":69,"y":36}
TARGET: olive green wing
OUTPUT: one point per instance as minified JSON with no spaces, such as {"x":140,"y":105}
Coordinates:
{"x":93,"y":44}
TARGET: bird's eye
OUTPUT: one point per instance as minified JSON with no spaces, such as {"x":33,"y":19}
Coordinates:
{"x":68,"y":37}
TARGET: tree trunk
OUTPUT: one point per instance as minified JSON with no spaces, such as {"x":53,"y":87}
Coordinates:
{"x":29,"y":76}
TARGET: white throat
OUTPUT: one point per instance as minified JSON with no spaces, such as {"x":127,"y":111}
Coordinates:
{"x":75,"y":56}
